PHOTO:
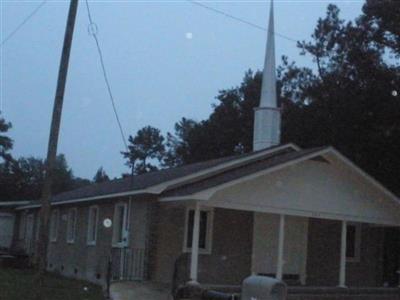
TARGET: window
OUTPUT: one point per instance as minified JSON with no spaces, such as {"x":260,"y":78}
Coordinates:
{"x":29,"y":227}
{"x":205,"y":233}
{"x":29,"y":234}
{"x":21,"y":233}
{"x":119,"y":231}
{"x":92,"y":225}
{"x":54,"y":219}
{"x":71,"y":225}
{"x":353,"y":242}
{"x":38,"y":222}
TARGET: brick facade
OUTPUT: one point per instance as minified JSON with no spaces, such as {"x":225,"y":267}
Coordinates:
{"x":159,"y":227}
{"x":323,"y":255}
{"x":230,"y":258}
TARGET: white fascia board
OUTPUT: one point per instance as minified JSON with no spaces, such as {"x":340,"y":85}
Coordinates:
{"x":207,"y":193}
{"x":13,"y":203}
{"x":94,"y":198}
{"x":162,"y":186}
{"x":194,"y":197}
{"x":287,"y":211}
{"x":304,"y":213}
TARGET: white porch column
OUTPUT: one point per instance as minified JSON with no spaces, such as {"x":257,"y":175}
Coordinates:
{"x":195,"y":245}
{"x":281,"y":239}
{"x":342,"y":274}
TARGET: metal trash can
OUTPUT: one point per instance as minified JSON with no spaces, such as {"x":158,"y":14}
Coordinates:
{"x":263,"y":288}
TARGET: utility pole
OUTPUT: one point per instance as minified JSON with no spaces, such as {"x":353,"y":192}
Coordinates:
{"x":41,"y":250}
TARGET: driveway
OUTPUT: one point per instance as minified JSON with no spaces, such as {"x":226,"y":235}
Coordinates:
{"x":130,"y":290}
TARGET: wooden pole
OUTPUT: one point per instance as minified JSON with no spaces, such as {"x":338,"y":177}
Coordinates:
{"x":41,"y":254}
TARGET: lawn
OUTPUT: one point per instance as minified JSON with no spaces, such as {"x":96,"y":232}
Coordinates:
{"x":17,"y":285}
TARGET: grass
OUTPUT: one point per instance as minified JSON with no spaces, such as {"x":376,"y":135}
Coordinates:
{"x":17,"y":284}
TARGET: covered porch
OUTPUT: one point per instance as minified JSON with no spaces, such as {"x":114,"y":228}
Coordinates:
{"x":302,"y":251}
{"x":317,"y":221}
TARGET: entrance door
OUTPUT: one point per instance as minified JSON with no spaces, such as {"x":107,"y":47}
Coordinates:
{"x":6,"y":230}
{"x":265,"y":246}
{"x":391,"y":262}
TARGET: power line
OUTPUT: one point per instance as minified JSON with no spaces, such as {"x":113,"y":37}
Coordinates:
{"x":230,"y":16}
{"x":93,"y":31}
{"x":24,"y":22}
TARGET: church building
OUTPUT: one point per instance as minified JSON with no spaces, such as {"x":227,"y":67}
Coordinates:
{"x":309,"y":217}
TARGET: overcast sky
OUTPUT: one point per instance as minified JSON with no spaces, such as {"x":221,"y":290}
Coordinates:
{"x":166,"y":60}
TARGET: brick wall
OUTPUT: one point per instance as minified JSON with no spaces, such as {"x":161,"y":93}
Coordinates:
{"x":89,"y":262}
{"x":324,"y":255}
{"x":230,"y":258}
{"x":79,"y":259}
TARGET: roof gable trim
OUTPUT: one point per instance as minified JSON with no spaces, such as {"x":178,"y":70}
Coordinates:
{"x":365,"y":175}
{"x":207,"y":193}
{"x":87,"y":199}
{"x":158,"y":189}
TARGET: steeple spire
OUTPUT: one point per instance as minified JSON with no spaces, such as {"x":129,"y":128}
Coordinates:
{"x":267,"y":118}
{"x":268,"y":90}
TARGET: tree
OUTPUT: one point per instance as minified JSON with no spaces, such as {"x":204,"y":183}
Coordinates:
{"x":384,"y":18}
{"x":178,"y":148}
{"x":5,"y":142}
{"x":143,"y":149}
{"x":22,"y":179}
{"x":229,"y":127}
{"x":348,"y":102}
{"x":100,"y":176}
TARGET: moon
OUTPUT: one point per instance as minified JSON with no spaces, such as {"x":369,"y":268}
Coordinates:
{"x":189,"y":35}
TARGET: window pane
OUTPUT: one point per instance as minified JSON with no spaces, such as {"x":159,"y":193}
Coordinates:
{"x":119,"y":223}
{"x":54,"y":224}
{"x":22,"y":227}
{"x":92,"y":224}
{"x":71,"y":224}
{"x":203,"y":230}
{"x":37,"y":227}
{"x":190,"y":229}
{"x":351,"y":241}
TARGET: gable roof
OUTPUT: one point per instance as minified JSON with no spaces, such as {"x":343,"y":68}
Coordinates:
{"x":202,"y":190}
{"x":178,"y":183}
{"x":157,"y":181}
{"x":264,"y":163}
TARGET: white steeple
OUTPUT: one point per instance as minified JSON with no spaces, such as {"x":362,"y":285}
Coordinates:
{"x":267,"y":118}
